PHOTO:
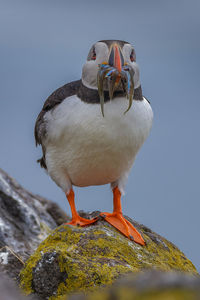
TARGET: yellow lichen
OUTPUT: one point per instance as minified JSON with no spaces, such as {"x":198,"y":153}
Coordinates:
{"x":96,"y":256}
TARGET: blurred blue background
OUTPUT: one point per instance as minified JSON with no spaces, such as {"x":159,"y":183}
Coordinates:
{"x":44,"y":44}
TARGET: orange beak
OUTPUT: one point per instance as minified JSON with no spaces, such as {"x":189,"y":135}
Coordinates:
{"x":116,"y":59}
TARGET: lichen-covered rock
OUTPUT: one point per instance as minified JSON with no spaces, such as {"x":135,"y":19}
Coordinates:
{"x":148,"y":285}
{"x":82,"y":259}
{"x":25,"y":220}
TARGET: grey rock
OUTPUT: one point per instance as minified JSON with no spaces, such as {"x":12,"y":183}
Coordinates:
{"x":147,"y":285}
{"x":155,"y":280}
{"x":9,"y":290}
{"x":25,"y":221}
{"x":47,"y":276}
{"x":10,"y":262}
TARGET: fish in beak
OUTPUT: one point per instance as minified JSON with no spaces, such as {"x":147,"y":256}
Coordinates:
{"x":113,"y":72}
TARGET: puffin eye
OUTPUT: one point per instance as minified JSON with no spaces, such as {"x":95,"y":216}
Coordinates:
{"x":132,"y":56}
{"x":93,"y":56}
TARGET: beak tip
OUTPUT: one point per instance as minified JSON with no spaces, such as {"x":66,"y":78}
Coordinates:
{"x":116,"y":58}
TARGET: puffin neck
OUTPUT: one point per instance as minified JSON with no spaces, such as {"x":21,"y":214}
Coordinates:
{"x":92,"y":96}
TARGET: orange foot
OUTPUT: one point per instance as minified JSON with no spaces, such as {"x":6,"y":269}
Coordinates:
{"x":118,"y":221}
{"x":124,"y":226}
{"x":78,"y":221}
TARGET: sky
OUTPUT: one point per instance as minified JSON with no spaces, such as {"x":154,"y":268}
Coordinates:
{"x":44,"y":44}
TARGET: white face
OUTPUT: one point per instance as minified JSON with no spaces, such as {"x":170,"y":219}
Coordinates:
{"x":98,"y":54}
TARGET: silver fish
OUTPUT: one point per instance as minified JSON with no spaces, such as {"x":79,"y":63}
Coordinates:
{"x":113,"y":78}
{"x":130,"y":87}
{"x":112,"y":83}
{"x":124,"y":81}
{"x":103,"y":70}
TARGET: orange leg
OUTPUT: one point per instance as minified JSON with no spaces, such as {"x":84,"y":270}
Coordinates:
{"x":118,"y":221}
{"x":76,"y":219}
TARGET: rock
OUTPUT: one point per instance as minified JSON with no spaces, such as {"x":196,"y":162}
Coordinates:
{"x":10,"y":262}
{"x":25,"y":221}
{"x":149,"y":285}
{"x":9,"y":291}
{"x":72,"y":259}
{"x":82,"y":259}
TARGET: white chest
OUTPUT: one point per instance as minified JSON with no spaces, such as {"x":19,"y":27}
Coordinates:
{"x":90,"y":148}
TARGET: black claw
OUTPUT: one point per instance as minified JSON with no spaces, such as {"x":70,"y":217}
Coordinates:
{"x":78,"y":224}
{"x":131,"y":237}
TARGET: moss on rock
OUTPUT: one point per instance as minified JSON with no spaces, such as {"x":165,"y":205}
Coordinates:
{"x":81,"y":259}
{"x":148,"y":285}
{"x":130,"y":294}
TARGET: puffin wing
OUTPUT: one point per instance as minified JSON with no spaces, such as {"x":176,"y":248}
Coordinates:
{"x":53,"y":100}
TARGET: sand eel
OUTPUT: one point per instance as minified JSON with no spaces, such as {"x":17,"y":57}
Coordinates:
{"x":90,"y":130}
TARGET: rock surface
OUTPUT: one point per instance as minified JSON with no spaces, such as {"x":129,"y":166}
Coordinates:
{"x":25,"y":221}
{"x":85,"y":258}
{"x":9,"y":290}
{"x":149,"y":285}
{"x":71,"y":259}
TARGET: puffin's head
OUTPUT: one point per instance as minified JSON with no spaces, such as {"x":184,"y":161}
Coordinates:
{"x":111,"y":66}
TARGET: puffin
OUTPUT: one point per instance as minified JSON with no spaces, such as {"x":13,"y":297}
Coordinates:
{"x":91,"y":130}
